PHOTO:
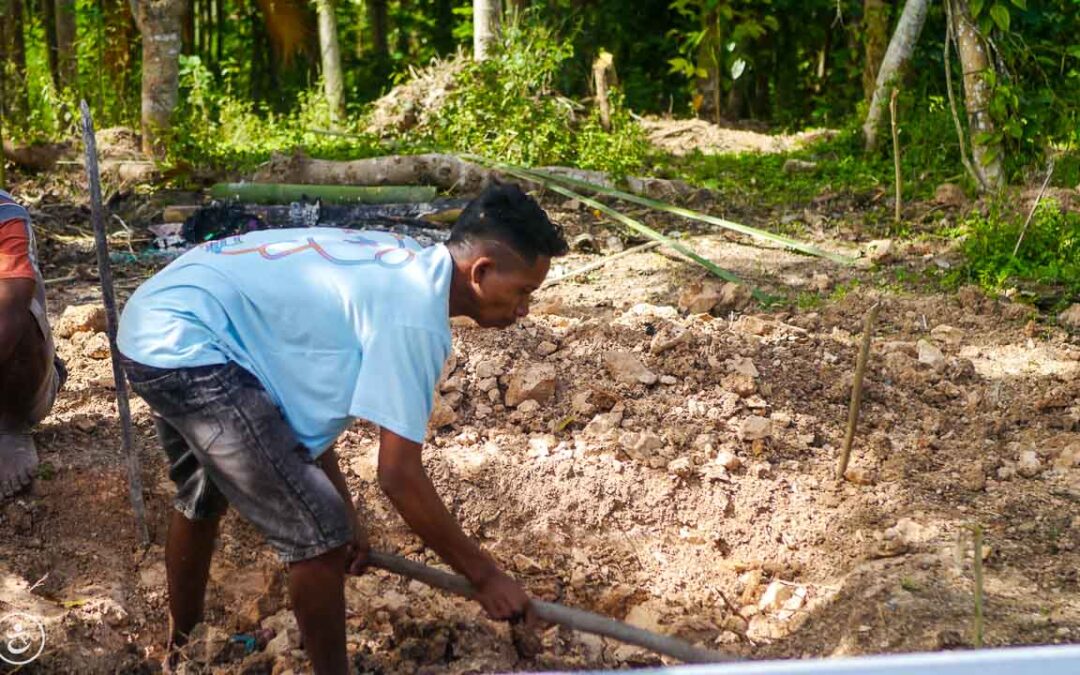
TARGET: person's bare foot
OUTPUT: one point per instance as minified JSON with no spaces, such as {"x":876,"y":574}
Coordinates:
{"x":18,"y":462}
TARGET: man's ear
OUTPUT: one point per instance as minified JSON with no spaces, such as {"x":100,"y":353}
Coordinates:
{"x":479,"y":270}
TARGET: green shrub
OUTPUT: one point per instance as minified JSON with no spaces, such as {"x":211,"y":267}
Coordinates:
{"x":506,"y":108}
{"x":1049,"y":253}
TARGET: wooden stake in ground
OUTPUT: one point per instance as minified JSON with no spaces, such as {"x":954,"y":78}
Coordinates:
{"x":97,"y":219}
{"x":856,"y":389}
{"x":896,"y":154}
{"x":550,"y":612}
{"x":602,"y":68}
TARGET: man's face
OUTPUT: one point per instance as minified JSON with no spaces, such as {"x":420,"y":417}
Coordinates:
{"x":504,"y":286}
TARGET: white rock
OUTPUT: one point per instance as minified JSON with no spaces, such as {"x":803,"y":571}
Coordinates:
{"x":1029,"y":464}
{"x":603,"y":423}
{"x":486,"y":369}
{"x":668,"y":380}
{"x":728,"y":460}
{"x":774,"y":597}
{"x":754,"y":427}
{"x":880,"y":251}
{"x":640,"y":445}
{"x":628,"y":369}
{"x":528,"y":407}
{"x":930,"y":355}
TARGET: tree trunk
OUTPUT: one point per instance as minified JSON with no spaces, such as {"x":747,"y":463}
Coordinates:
{"x":159,"y":22}
{"x":48,"y":19}
{"x":67,"y":66}
{"x":330,"y":53}
{"x":486,"y":21}
{"x":897,"y":55}
{"x":876,"y":29}
{"x":603,"y":74}
{"x":976,"y":65}
{"x":377,"y":17}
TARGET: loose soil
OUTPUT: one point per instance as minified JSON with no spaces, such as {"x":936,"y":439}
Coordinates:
{"x":702,"y":505}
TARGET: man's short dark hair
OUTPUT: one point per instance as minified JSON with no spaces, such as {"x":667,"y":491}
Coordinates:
{"x":506,"y":214}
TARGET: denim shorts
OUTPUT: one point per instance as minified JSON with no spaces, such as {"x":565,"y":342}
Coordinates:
{"x":228,"y":443}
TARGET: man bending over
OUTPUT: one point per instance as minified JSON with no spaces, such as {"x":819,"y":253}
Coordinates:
{"x":257,"y":351}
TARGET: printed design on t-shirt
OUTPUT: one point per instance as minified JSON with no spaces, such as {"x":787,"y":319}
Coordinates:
{"x":351,"y":250}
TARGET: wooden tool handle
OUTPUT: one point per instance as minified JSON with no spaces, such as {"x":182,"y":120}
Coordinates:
{"x":554,"y":613}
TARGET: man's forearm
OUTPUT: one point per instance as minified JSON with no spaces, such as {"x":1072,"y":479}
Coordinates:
{"x":411,"y":492}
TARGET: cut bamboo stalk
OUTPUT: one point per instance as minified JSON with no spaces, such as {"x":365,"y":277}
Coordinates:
{"x":641,"y":228}
{"x":551,"y":612}
{"x":284,"y":193}
{"x":97,"y":218}
{"x":856,"y":389}
{"x":545,"y":178}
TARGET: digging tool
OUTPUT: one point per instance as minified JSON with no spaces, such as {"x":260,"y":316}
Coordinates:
{"x":551,"y":612}
{"x":97,"y":219}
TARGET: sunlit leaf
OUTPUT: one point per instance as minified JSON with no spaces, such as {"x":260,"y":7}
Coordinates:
{"x":1000,"y":15}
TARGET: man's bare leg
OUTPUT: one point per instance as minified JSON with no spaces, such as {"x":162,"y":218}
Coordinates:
{"x":188,"y":550}
{"x":317,"y":589}
{"x":21,"y":377}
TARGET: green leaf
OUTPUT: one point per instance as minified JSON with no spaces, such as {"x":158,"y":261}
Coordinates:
{"x":1000,"y":15}
{"x":547,"y":179}
{"x":1022,"y":4}
{"x":976,"y":8}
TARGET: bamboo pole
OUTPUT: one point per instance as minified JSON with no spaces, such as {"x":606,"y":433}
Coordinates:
{"x":283,"y":193}
{"x":856,"y":389}
{"x":551,"y":612}
{"x":97,"y":218}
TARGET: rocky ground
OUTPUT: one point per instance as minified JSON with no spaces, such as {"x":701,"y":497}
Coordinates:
{"x":648,"y":445}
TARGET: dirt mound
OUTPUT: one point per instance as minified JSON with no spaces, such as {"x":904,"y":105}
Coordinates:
{"x":413,"y":103}
{"x":680,"y":137}
{"x":619,"y":454}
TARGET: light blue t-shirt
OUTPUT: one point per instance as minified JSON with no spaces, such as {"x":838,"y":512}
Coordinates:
{"x":335,"y":324}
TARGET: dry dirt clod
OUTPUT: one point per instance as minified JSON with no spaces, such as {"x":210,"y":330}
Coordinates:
{"x":881,"y":251}
{"x":546,"y":348}
{"x":947,"y":335}
{"x":930,"y":355}
{"x":442,"y":413}
{"x":534,"y":381}
{"x":754,"y":428}
{"x":1070,"y":318}
{"x":700,"y":297}
{"x":206,"y":644}
{"x":626,"y":368}
{"x":641,"y":446}
{"x":860,"y":475}
{"x":97,"y":347}
{"x":1029,"y":465}
{"x":80,"y":319}
{"x":950,"y":194}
